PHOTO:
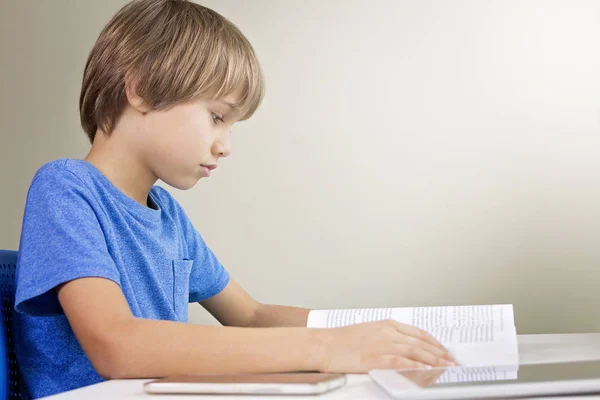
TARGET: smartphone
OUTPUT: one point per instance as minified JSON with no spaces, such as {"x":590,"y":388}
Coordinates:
{"x":285,"y":383}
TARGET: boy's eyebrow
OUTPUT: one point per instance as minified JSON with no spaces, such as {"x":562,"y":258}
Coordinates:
{"x":232,"y":106}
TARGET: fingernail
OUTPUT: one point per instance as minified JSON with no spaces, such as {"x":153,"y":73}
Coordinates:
{"x":451,"y":364}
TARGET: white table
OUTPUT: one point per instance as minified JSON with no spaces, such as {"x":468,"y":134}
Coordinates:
{"x":533,"y":349}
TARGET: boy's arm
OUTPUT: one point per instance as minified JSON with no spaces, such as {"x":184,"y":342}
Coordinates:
{"x":233,"y":306}
{"x":120,"y":345}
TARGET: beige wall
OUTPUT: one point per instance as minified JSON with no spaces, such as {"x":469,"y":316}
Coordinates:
{"x":407,"y":152}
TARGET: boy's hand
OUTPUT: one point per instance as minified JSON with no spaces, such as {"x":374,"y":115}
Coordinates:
{"x":382,"y":345}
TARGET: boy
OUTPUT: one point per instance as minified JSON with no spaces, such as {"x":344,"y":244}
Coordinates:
{"x":108,"y":262}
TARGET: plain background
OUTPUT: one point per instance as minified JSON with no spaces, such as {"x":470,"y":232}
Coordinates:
{"x":407,"y":152}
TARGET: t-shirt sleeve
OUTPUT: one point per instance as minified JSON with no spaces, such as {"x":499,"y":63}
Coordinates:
{"x":208,"y":276}
{"x":61,"y":240}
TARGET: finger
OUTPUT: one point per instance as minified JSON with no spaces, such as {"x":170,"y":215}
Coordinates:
{"x":421,"y":355}
{"x":417,"y":333}
{"x":400,"y":362}
{"x":434,"y":376}
{"x":413,"y":341}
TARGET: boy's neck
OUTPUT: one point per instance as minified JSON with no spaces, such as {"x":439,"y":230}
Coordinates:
{"x":120,"y":166}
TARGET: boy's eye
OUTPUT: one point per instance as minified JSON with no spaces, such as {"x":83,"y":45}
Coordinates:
{"x":216,"y":118}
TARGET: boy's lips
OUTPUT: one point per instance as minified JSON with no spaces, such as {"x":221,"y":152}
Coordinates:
{"x":207,"y":168}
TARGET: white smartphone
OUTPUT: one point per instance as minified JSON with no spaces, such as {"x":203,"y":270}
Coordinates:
{"x":287,"y":383}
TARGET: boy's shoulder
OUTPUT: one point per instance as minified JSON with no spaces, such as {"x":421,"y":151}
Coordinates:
{"x":67,"y":172}
{"x":60,"y":181}
{"x":62,"y":170}
{"x":51,"y":168}
{"x":60,"y":178}
{"x":54,"y":176}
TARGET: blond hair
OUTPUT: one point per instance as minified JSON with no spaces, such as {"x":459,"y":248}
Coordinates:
{"x":173,"y":51}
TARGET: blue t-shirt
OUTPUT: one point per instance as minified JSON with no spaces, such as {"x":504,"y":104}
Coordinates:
{"x":78,"y":224}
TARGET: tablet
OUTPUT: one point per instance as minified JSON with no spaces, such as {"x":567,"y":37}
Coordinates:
{"x":485,"y":382}
{"x":291,"y":383}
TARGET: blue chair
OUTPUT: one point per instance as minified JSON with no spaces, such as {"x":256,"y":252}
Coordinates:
{"x":12,"y":386}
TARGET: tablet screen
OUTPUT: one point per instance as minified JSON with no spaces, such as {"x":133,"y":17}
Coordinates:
{"x":474,"y":376}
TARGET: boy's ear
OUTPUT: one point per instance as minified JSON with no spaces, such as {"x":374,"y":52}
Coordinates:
{"x":132,"y":97}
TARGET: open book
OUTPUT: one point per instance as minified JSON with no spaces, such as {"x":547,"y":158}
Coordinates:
{"x":482,"y":335}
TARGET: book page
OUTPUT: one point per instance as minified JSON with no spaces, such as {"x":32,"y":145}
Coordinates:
{"x":450,"y":324}
{"x":504,"y":352}
{"x":466,"y":324}
{"x":500,"y":373}
{"x":476,"y":335}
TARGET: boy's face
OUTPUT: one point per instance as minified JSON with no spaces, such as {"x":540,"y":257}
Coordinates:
{"x":185,"y":142}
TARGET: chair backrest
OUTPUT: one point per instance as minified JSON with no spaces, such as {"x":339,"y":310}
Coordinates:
{"x":11,"y":384}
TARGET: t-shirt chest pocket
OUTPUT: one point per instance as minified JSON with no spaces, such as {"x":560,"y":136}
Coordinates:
{"x":181,"y":288}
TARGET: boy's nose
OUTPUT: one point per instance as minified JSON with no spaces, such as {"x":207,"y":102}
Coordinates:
{"x":222,"y":148}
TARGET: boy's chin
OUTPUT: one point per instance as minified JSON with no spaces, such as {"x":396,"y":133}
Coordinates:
{"x":182,"y":184}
